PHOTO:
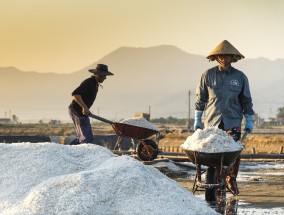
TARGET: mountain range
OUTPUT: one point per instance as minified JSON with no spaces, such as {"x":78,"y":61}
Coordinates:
{"x":156,"y":80}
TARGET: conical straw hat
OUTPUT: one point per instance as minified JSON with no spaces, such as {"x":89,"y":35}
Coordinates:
{"x":225,"y":48}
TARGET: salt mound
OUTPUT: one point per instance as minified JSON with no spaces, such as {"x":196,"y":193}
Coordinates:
{"x":49,"y":178}
{"x":140,"y":122}
{"x":211,"y":140}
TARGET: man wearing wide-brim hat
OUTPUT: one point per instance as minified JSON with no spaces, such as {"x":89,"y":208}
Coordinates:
{"x":83,"y":98}
{"x":223,"y":95}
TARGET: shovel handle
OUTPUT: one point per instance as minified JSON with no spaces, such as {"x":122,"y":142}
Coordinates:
{"x":100,"y":118}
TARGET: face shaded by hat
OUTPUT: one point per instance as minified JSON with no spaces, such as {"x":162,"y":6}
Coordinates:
{"x":101,"y":69}
{"x":225,"y":48}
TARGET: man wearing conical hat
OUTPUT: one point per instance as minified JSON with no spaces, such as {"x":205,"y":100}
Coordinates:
{"x":223,"y":95}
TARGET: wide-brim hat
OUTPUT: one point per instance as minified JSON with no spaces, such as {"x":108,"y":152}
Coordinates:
{"x":101,"y":69}
{"x":225,"y":48}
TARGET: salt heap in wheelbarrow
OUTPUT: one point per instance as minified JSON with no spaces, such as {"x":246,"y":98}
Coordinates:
{"x":136,"y":128}
{"x":211,"y":140}
{"x":140,"y":122}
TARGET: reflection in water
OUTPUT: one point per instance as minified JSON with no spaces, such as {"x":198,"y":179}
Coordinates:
{"x":225,"y":206}
{"x":246,"y":204}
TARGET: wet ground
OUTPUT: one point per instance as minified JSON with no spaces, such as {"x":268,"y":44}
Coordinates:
{"x":261,"y":186}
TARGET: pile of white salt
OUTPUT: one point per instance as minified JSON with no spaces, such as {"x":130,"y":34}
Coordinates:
{"x":139,"y":122}
{"x":211,"y":140}
{"x":55,"y":179}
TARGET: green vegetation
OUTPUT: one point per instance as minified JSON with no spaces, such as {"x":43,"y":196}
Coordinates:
{"x":278,"y":121}
{"x":280,"y":113}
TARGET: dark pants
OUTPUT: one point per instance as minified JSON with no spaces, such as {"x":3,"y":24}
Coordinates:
{"x":236,"y":134}
{"x":83,"y":129}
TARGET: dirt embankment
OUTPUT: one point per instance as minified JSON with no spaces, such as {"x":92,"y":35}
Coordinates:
{"x":261,"y":143}
{"x":46,"y":130}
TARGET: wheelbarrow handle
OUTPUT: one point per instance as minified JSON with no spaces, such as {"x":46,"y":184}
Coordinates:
{"x":100,"y":118}
{"x":247,"y":131}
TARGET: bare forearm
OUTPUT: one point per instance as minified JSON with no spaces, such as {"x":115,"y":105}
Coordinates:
{"x":79,"y":100}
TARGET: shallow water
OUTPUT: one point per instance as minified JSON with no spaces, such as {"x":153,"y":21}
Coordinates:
{"x":261,"y":187}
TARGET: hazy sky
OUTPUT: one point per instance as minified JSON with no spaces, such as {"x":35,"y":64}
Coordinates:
{"x":64,"y":36}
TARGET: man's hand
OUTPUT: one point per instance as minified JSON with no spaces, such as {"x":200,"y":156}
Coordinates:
{"x":249,"y":123}
{"x":86,"y":111}
{"x":79,"y":100}
{"x":197,"y":119}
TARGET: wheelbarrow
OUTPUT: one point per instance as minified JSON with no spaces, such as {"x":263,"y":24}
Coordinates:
{"x":146,"y":149}
{"x":215,"y":181}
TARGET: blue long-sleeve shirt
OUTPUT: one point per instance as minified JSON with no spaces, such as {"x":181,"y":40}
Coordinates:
{"x":224,"y":95}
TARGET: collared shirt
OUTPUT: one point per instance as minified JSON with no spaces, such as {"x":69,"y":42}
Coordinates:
{"x":88,"y":90}
{"x":224,"y":95}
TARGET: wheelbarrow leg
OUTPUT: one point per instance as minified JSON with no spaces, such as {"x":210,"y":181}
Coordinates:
{"x":118,"y":143}
{"x":193,"y":187}
{"x":221,"y":180}
{"x":197,"y":177}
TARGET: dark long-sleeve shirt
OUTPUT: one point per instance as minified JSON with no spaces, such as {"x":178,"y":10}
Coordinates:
{"x":224,"y":95}
{"x":88,"y":90}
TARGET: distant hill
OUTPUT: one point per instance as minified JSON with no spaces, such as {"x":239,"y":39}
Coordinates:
{"x":158,"y":78}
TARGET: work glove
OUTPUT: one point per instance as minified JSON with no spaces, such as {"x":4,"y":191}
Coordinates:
{"x":197,"y":119}
{"x":249,"y":123}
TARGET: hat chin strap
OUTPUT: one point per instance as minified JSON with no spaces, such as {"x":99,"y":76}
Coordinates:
{"x":221,"y":65}
{"x":218,"y":60}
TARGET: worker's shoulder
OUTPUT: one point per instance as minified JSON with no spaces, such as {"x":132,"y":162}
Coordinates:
{"x":210,"y":70}
{"x":90,"y":80}
{"x":233,"y":69}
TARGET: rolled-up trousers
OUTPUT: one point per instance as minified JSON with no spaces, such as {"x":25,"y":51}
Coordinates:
{"x":236,"y":134}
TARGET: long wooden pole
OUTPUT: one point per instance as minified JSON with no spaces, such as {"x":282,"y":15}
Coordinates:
{"x":188,"y":122}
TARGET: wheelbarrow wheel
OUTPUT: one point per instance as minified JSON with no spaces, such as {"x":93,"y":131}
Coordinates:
{"x":147,"y":150}
{"x":211,"y":193}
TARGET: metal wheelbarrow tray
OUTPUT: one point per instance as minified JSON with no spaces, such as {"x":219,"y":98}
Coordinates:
{"x":147,"y":149}
{"x":214,"y":180}
{"x":126,"y":130}
{"x":212,"y":159}
{"x":132,"y":131}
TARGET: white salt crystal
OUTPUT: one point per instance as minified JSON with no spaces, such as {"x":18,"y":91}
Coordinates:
{"x":211,"y":140}
{"x":55,"y":179}
{"x":140,"y":122}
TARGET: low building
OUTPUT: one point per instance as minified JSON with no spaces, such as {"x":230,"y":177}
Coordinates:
{"x":54,"y":123}
{"x":5,"y":121}
{"x":144,"y":115}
